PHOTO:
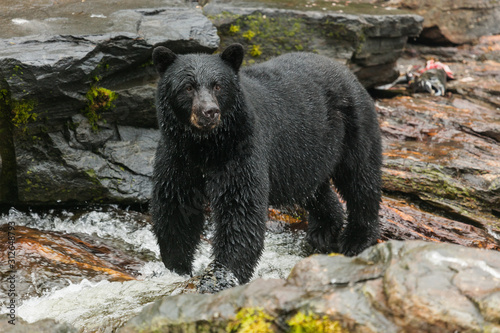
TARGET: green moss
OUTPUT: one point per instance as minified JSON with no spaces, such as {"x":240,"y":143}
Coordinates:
{"x":234,"y":29}
{"x":22,"y":113}
{"x":255,"y":51}
{"x":265,"y":36}
{"x":91,"y":173}
{"x":19,"y":112}
{"x":250,"y":320}
{"x":222,"y":18}
{"x":248,"y":35}
{"x":433,"y":180}
{"x":312,"y":323}
{"x":99,"y":100}
{"x":147,"y":64}
{"x":5,"y":100}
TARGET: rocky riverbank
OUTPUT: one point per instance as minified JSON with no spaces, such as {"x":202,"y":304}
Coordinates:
{"x":78,"y":110}
{"x":393,"y":287}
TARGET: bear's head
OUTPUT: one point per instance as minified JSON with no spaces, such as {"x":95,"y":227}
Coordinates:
{"x":200,"y":89}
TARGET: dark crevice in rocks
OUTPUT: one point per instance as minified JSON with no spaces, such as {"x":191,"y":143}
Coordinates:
{"x":432,"y":36}
{"x":8,"y":165}
{"x":490,"y":136}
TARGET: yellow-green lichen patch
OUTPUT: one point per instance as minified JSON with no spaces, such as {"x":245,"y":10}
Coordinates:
{"x":99,"y":100}
{"x":250,"y":320}
{"x":234,"y":29}
{"x":312,"y":323}
{"x":255,"y":51}
{"x":19,"y":112}
{"x":22,"y":113}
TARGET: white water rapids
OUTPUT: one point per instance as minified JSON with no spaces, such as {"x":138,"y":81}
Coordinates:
{"x":102,"y":305}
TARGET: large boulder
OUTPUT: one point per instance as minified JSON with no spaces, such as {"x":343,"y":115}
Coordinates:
{"x":368,"y":44}
{"x":393,"y":287}
{"x":74,"y":107}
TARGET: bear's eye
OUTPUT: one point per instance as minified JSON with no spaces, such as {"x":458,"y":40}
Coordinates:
{"x":217,"y":87}
{"x":189,"y":88}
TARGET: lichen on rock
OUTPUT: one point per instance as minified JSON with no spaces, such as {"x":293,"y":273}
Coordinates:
{"x":99,"y":100}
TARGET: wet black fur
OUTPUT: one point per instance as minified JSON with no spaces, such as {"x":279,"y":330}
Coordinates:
{"x":287,"y":127}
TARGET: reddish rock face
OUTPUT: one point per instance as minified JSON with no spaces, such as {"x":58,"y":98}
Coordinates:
{"x":46,"y":259}
{"x":403,"y":221}
{"x":444,"y":152}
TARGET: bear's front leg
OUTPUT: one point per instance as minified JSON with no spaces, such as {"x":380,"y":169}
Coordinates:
{"x":177,"y":206}
{"x":239,"y":200}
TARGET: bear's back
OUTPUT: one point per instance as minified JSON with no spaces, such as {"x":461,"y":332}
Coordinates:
{"x":301,"y":68}
{"x":305,"y":104}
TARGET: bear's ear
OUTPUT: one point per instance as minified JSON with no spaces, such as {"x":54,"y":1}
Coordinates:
{"x":162,"y":58}
{"x":233,"y":56}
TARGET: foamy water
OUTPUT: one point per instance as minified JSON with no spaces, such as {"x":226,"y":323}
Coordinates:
{"x":96,"y":306}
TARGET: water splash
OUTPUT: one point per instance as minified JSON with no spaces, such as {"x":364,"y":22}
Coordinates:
{"x":97,"y":306}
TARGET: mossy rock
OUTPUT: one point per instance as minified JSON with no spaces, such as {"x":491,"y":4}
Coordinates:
{"x":99,"y":101}
{"x":264,"y":36}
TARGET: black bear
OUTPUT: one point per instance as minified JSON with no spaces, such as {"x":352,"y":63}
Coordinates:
{"x":275,"y":133}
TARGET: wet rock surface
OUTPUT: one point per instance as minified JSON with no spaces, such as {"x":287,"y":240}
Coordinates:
{"x":72,"y":100}
{"x":454,"y":21}
{"x":445,"y":150}
{"x":368,"y":44}
{"x":402,"y":220}
{"x":409,"y":286}
{"x":53,"y":260}
{"x":432,"y":151}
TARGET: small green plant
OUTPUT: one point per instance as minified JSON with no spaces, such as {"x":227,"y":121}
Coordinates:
{"x":234,"y":29}
{"x":251,"y":320}
{"x":22,"y":113}
{"x":249,"y":35}
{"x":18,"y":69}
{"x":99,"y":100}
{"x":255,"y":51}
{"x":311,"y":323}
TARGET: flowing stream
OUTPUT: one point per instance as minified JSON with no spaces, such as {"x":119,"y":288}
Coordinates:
{"x":104,"y":304}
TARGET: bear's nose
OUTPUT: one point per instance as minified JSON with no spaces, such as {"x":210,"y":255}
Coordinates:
{"x":211,"y":113}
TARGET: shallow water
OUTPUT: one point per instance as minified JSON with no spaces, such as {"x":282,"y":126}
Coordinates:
{"x":97,"y":305}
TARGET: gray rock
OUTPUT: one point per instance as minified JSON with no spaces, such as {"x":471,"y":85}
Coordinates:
{"x":136,"y":107}
{"x":369,"y":44}
{"x":71,"y":99}
{"x":392,"y":287}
